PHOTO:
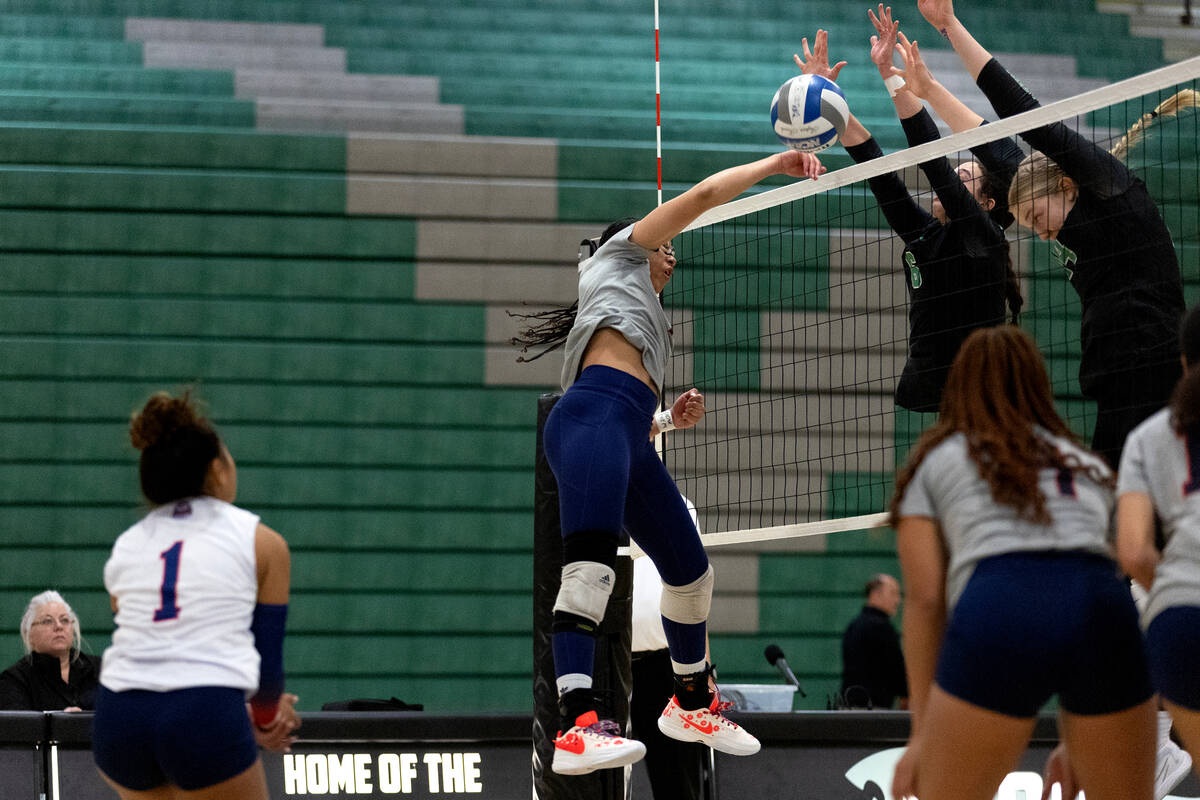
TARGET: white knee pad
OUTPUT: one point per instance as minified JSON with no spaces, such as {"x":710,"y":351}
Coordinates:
{"x":585,"y":588}
{"x":689,"y":604}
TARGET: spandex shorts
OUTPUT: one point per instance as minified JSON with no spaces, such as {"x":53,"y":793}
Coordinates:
{"x":1032,"y":625}
{"x":191,"y":738}
{"x":1173,"y":645}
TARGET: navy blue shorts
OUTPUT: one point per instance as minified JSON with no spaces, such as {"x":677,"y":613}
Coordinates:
{"x":192,"y":738}
{"x":1032,"y":625}
{"x":1173,"y":645}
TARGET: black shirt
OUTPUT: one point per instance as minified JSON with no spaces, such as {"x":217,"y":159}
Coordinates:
{"x":956,"y":272}
{"x":1117,"y":252}
{"x":35,"y":683}
{"x":872,"y":662}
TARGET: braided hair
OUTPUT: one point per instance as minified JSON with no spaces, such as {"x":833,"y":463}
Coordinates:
{"x":549,"y":329}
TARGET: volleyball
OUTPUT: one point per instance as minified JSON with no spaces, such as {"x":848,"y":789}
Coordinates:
{"x":809,"y":113}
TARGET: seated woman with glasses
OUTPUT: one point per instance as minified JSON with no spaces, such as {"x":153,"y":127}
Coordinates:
{"x":54,"y":674}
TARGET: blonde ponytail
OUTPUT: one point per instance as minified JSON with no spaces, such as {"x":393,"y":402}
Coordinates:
{"x":1038,"y":175}
{"x":1188,"y":98}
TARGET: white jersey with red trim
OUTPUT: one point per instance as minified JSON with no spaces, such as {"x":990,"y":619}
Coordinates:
{"x":185,"y":580}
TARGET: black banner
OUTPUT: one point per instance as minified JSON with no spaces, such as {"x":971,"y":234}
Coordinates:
{"x":805,"y":756}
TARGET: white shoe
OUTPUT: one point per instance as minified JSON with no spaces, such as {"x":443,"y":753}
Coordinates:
{"x":1171,"y":765}
{"x":592,"y":744}
{"x":707,"y":726}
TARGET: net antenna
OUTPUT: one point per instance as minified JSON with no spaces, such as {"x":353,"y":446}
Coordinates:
{"x":664,"y":402}
{"x":792,"y":315}
{"x":657,"y":107}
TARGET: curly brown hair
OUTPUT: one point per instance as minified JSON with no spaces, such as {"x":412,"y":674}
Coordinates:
{"x":177,"y":443}
{"x":996,"y":393}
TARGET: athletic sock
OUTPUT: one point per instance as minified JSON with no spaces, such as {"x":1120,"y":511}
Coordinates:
{"x":692,"y":691}
{"x":574,"y":704}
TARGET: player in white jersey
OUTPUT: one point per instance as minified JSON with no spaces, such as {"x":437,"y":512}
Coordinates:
{"x":199,"y":588}
{"x":1160,"y":473}
{"x":1002,"y":527}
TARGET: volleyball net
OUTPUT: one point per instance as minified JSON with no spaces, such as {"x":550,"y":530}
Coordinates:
{"x":791,"y":313}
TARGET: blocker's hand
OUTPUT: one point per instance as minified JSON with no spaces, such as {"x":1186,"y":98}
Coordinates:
{"x":688,"y":409}
{"x":917,"y":77}
{"x":816,"y":62}
{"x":938,"y":13}
{"x":883,"y":45}
{"x":799,"y":165}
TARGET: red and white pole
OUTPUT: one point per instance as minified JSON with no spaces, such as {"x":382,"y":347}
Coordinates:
{"x":657,"y":107}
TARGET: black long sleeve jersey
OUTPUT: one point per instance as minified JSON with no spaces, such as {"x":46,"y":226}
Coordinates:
{"x":1117,"y":253}
{"x":956,"y":272}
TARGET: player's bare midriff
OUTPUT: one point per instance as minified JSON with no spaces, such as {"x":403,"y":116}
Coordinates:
{"x":609,"y":348}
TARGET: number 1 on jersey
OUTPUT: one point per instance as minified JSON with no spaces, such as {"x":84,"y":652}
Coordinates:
{"x":168,"y":609}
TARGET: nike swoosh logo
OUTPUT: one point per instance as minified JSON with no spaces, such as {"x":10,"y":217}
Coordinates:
{"x":703,"y":727}
{"x":572,"y":744}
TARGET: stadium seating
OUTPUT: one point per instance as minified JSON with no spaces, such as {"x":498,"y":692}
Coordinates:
{"x":317,"y":213}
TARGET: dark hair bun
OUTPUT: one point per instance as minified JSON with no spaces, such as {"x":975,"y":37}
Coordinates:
{"x":161,"y":418}
{"x":178,"y":446}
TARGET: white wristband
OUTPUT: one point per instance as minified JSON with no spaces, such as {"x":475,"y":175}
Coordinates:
{"x":664,"y":421}
{"x":893,"y":84}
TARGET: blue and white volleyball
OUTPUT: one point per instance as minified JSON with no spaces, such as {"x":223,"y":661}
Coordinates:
{"x":809,"y":113}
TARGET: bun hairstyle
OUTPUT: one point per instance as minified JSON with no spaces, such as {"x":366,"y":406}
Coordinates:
{"x":178,"y":446}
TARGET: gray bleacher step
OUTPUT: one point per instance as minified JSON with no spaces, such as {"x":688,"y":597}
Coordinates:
{"x":747,"y":413}
{"x":1047,"y":77}
{"x":1031,"y":65}
{"x":500,"y":368}
{"x":508,"y":285}
{"x":499,"y":242}
{"x":1179,"y":41}
{"x":744,"y":415}
{"x":485,"y":156}
{"x":212,"y":55}
{"x":876,"y":370}
{"x":860,"y":451}
{"x":321,"y":115}
{"x":261,"y":83}
{"x":445,"y":196}
{"x":143,"y":29}
{"x":1172,"y":9}
{"x":1160,"y":19}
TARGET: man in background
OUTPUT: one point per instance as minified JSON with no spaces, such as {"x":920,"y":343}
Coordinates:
{"x":872,"y":662}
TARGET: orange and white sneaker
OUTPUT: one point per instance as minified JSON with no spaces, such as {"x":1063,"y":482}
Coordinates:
{"x":707,"y":726}
{"x":592,"y":744}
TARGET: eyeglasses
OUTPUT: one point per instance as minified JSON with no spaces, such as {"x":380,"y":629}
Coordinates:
{"x":65,"y":621}
{"x":667,"y":250}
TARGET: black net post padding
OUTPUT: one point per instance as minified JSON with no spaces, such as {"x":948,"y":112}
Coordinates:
{"x":613,"y":673}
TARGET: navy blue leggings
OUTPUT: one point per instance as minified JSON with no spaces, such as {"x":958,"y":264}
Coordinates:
{"x":597,"y":442}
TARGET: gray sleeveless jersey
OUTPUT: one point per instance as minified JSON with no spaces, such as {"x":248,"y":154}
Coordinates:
{"x":1156,"y":462}
{"x":615,"y":292}
{"x":948,"y":488}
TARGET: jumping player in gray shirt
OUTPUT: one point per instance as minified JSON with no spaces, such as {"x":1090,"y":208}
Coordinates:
{"x":597,"y":443}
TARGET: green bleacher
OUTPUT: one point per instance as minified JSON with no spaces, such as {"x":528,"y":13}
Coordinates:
{"x":152,"y":238}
